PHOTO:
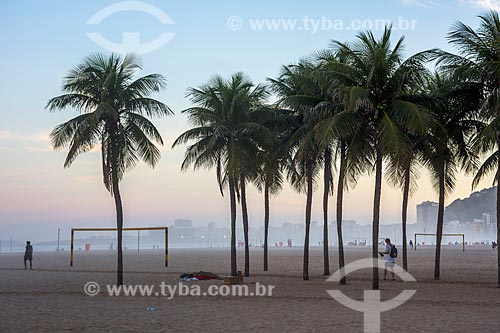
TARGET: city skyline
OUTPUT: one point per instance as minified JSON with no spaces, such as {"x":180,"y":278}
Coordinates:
{"x":425,"y":222}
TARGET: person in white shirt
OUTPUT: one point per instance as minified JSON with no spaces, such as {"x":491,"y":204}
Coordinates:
{"x":389,"y":261}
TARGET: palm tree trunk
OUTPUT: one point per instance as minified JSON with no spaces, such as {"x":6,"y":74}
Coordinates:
{"x":440,"y":222}
{"x":326,"y":193}
{"x":244,"y":214}
{"x":340,"y":198}
{"x":118,"y":206}
{"x":376,"y":217}
{"x":232,"y":199}
{"x":404,"y":213}
{"x":266,"y":225}
{"x":305,"y":273}
{"x":119,"y":227}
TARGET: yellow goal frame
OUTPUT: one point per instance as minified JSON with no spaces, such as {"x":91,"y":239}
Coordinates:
{"x":451,"y":235}
{"x":73,"y":230}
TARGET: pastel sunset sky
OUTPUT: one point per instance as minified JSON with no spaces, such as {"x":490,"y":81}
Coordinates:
{"x":43,"y":40}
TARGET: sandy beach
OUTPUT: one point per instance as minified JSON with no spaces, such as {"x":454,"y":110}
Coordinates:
{"x":50,"y":298}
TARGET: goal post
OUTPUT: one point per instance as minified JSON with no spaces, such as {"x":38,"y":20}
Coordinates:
{"x":444,"y":235}
{"x":73,"y":230}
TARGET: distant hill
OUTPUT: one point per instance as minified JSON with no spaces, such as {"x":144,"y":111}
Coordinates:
{"x":473,"y":207}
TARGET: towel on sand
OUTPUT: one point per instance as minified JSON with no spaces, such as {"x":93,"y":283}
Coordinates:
{"x":201,"y":275}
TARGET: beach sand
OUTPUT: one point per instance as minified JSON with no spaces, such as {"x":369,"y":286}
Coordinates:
{"x":50,"y":298}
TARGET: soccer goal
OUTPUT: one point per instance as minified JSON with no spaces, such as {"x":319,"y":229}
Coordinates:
{"x":73,"y":230}
{"x":444,"y":235}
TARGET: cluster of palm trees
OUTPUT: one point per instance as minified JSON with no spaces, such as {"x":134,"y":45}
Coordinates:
{"x":355,"y":108}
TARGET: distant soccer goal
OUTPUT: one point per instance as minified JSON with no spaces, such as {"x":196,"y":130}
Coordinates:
{"x":73,"y":230}
{"x":444,"y":235}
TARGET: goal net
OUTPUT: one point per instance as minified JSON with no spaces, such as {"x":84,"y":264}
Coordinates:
{"x":73,"y":230}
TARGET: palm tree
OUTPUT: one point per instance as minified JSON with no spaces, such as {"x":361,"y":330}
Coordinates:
{"x":402,"y":172}
{"x":298,"y":91}
{"x":375,"y":78}
{"x":324,"y":108}
{"x":251,"y":137}
{"x":271,"y":159}
{"x":350,"y":146}
{"x":447,"y":146}
{"x":354,"y":159}
{"x":113,"y":109}
{"x":478,"y":61}
{"x":222,"y":127}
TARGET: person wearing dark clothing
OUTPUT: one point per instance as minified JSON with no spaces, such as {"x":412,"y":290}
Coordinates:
{"x":28,"y":255}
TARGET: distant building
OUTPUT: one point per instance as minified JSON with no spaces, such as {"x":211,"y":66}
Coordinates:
{"x":182,"y":231}
{"x":427,"y":213}
{"x":183,"y":223}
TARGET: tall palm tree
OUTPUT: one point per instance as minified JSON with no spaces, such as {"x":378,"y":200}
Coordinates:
{"x":298,"y":91}
{"x":113,"y":108}
{"x":376,"y":79}
{"x":353,"y":154}
{"x":447,"y":147}
{"x":222,"y":127}
{"x":403,"y":169}
{"x":247,"y":172}
{"x":326,"y":105}
{"x":269,"y":181}
{"x":402,"y":172}
{"x":251,"y":138}
{"x":478,"y":61}
{"x":350,"y":146}
{"x":272,"y":159}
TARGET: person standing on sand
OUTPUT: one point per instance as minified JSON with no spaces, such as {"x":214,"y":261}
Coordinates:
{"x":390,"y":258}
{"x":28,"y":255}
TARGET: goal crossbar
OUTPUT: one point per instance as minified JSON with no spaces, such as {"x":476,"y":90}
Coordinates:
{"x":450,"y":235}
{"x":73,"y":230}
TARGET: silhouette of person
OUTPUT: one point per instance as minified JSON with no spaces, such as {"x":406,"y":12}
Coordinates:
{"x":28,"y":255}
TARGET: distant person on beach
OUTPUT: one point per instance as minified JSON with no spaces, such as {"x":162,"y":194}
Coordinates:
{"x":391,"y":254}
{"x":494,"y":245}
{"x":411,"y":244}
{"x":28,"y":255}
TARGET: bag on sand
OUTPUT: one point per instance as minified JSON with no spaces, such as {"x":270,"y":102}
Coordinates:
{"x":394,"y":251}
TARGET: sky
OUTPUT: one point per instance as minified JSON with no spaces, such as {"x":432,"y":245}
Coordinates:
{"x":42,"y":40}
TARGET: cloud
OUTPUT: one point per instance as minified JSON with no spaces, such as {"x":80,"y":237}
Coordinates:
{"x":488,"y":4}
{"x":420,"y":3}
{"x":6,"y":135}
{"x":31,"y":142}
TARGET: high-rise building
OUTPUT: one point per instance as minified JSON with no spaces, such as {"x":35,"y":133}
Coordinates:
{"x":427,"y":213}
